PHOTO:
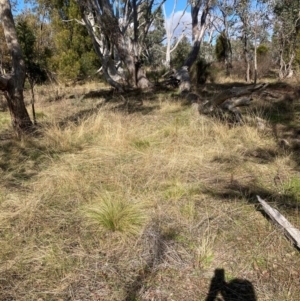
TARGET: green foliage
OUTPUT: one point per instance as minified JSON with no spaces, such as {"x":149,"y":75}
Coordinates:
{"x":74,"y":56}
{"x":264,"y":59}
{"x":181,"y":52}
{"x":262,"y":50}
{"x":27,"y":39}
{"x":287,"y":26}
{"x":68,"y":65}
{"x":222,"y":47}
{"x":88,"y":63}
{"x":154,"y":38}
{"x":200,"y":71}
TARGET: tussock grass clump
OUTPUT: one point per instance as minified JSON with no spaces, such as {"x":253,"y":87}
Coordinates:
{"x":115,"y":204}
{"x":118,"y":214}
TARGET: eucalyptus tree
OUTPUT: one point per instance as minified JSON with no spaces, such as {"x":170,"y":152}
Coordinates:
{"x":199,"y":27}
{"x":254,"y":23}
{"x":4,"y":53}
{"x":243,"y":12}
{"x":72,"y":54}
{"x":180,"y":53}
{"x":118,"y":30}
{"x":13,"y":83}
{"x":225,"y":22}
{"x":223,"y":50}
{"x":35,"y":66}
{"x":286,"y":30}
{"x":153,"y":40}
{"x":171,"y":26}
{"x":260,"y":23}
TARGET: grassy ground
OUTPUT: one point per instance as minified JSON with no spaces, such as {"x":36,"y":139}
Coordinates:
{"x":137,"y":197}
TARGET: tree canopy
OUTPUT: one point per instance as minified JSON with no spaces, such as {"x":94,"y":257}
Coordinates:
{"x":71,"y":40}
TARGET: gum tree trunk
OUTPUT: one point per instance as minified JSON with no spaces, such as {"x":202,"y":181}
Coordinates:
{"x":105,"y":22}
{"x":198,"y":31}
{"x":12,"y":84}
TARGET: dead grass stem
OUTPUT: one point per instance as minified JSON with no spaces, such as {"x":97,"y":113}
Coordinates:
{"x":181,"y":186}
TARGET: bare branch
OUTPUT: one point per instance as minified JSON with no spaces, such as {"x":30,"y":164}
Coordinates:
{"x":178,"y":41}
{"x":81,"y":22}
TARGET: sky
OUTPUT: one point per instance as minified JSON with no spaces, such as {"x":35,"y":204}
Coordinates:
{"x":169,"y":4}
{"x":184,"y":19}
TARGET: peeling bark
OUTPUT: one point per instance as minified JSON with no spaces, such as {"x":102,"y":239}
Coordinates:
{"x":13,"y":83}
{"x":107,"y":33}
{"x":286,"y":69}
{"x":102,"y":52}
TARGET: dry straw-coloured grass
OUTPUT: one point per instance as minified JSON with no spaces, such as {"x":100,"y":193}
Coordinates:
{"x":143,"y":206}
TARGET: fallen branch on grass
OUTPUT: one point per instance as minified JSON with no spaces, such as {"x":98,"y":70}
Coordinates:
{"x":231,"y":99}
{"x":235,"y":92}
{"x":291,"y":232}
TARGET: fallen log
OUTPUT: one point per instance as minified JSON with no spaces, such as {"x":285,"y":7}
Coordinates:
{"x":231,"y":99}
{"x":235,"y":92}
{"x":232,"y":105}
{"x":291,"y":232}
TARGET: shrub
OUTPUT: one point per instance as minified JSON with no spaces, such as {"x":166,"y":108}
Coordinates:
{"x":200,"y":71}
{"x":181,"y":52}
{"x":264,"y":61}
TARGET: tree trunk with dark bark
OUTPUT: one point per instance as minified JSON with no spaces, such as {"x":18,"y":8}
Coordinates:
{"x":13,"y":83}
{"x":198,"y":31}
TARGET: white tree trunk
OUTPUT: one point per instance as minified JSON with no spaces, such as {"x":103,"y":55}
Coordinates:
{"x":105,"y":22}
{"x":170,"y":28}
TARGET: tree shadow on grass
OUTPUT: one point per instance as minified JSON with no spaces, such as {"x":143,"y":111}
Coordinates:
{"x":155,"y":243}
{"x":234,"y":290}
{"x":296,"y":157}
{"x":77,"y":117}
{"x":138,"y":101}
{"x":129,"y":102}
{"x":135,"y":107}
{"x":233,"y":190}
{"x":19,"y":162}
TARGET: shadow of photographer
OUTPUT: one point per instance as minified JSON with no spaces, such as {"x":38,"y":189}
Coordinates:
{"x":234,"y":290}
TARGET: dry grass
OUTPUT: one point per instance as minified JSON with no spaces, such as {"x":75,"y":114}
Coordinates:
{"x":108,"y":205}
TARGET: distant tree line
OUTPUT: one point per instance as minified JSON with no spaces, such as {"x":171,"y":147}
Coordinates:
{"x":120,"y":41}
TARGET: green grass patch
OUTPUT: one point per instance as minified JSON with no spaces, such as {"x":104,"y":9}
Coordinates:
{"x":116,"y":214}
{"x":141,"y":144}
{"x":292,"y":187}
{"x":40,"y":115}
